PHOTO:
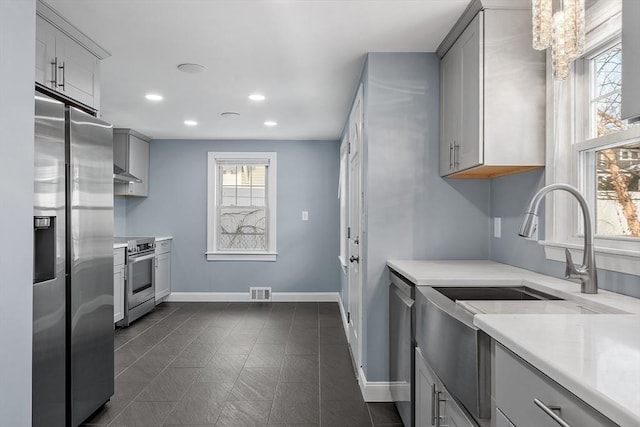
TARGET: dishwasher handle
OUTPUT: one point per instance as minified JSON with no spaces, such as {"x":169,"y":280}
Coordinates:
{"x":402,"y":297}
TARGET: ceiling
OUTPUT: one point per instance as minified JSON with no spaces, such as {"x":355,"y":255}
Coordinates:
{"x":305,"y":56}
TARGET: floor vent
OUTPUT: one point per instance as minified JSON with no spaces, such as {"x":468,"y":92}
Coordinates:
{"x":260,"y":294}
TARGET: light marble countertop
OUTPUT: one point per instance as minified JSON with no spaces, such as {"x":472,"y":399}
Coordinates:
{"x":124,"y":245}
{"x":595,"y":356}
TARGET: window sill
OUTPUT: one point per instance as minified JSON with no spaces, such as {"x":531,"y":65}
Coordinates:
{"x":242,"y":256}
{"x":613,"y":259}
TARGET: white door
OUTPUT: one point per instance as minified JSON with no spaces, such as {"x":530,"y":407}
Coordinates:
{"x":355,"y":215}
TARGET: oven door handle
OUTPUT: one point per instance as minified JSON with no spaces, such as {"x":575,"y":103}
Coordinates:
{"x":142,"y":258}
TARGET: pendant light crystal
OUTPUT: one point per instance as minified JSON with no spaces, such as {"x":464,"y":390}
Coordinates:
{"x":574,"y":27}
{"x":542,"y":22}
{"x":558,"y":47}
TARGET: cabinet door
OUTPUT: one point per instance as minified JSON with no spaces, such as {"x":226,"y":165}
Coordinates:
{"x":139,"y":166}
{"x":163,"y":276}
{"x":118,"y":293}
{"x":469,"y":146}
{"x":77,"y":71}
{"x":523,"y":405}
{"x":425,"y":389}
{"x":501,"y":420}
{"x":450,"y":75}
{"x":45,"y":53}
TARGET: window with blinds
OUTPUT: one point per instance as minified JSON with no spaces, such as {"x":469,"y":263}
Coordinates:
{"x":242,"y":189}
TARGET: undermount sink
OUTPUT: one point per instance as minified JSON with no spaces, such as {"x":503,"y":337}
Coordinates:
{"x":506,"y":293}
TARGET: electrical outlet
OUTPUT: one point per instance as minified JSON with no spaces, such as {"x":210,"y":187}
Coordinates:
{"x":497,"y":227}
{"x":305,"y":215}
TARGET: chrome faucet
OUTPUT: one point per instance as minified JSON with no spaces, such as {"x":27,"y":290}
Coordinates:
{"x":586,"y":272}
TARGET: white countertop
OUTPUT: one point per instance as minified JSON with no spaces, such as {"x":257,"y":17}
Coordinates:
{"x":124,"y":245}
{"x":595,"y":356}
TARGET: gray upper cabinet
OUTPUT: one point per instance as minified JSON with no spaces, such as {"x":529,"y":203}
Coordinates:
{"x":131,"y":153}
{"x":67,"y":61}
{"x":492,"y":97}
{"x":630,"y":60}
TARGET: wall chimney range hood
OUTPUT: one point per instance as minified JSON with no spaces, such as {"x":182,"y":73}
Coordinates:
{"x":122,"y":175}
{"x":128,"y":153}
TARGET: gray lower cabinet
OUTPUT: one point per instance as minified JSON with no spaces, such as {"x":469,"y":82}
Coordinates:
{"x":118,"y":284}
{"x":502,"y":420}
{"x":163,"y":270}
{"x":434,"y":405}
{"x":525,"y":397}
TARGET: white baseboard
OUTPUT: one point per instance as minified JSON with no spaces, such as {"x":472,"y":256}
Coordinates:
{"x":372,"y":391}
{"x":305,"y":296}
{"x":244,"y":297}
{"x":343,"y":314}
{"x":375,"y":391}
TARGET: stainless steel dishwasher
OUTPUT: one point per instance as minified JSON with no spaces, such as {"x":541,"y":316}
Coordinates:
{"x":402,"y":345}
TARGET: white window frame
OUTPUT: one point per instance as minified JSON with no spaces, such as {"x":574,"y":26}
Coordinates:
{"x":213,"y":184}
{"x":344,"y":201}
{"x":567,"y":124}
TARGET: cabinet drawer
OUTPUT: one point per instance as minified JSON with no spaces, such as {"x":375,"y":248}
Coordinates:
{"x":163,"y":247}
{"x":118,"y":257}
{"x":518,"y":384}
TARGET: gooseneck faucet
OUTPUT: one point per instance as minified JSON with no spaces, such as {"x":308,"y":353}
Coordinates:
{"x":586,"y":272}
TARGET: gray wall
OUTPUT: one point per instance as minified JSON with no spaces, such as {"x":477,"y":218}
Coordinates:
{"x":510,"y":195}
{"x":17,"y":65}
{"x":176,"y":206}
{"x":119,"y":216}
{"x":412,"y":213}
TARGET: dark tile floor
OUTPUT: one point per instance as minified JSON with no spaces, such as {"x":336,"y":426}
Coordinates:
{"x":235,"y":364}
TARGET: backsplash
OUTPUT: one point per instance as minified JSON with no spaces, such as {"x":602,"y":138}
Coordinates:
{"x":510,"y":195}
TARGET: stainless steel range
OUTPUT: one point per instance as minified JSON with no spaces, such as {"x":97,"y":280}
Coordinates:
{"x":139,"y":293}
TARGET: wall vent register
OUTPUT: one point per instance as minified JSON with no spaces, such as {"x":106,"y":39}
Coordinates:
{"x":259,"y":294}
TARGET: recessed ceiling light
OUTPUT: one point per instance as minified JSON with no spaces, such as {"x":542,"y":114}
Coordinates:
{"x":229,"y":114}
{"x":190,"y":123}
{"x":190,"y":68}
{"x":270,"y":123}
{"x":154,"y":97}
{"x":257,"y":97}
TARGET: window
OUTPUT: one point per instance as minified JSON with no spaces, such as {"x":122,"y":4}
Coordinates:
{"x":591,"y":147}
{"x":342,"y":194}
{"x":241,"y":207}
{"x":610,"y":165}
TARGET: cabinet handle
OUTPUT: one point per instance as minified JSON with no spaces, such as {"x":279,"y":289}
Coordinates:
{"x":549,"y":411}
{"x":434,"y":403}
{"x":61,"y":67}
{"x":450,"y":156}
{"x":438,"y":400}
{"x":456,"y":155}
{"x":54,"y":73}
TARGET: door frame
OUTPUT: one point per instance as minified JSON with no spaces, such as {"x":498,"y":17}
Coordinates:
{"x":355,"y":128}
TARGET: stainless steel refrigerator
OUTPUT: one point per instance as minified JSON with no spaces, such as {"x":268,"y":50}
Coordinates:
{"x":73,"y":264}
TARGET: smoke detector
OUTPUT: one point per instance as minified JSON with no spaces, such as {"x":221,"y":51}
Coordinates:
{"x":191,"y":68}
{"x":229,"y":114}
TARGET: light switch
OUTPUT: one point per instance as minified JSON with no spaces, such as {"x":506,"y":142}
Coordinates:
{"x":305,"y":215}
{"x":497,"y":227}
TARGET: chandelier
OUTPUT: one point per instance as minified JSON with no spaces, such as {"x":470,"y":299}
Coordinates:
{"x":563,"y":31}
